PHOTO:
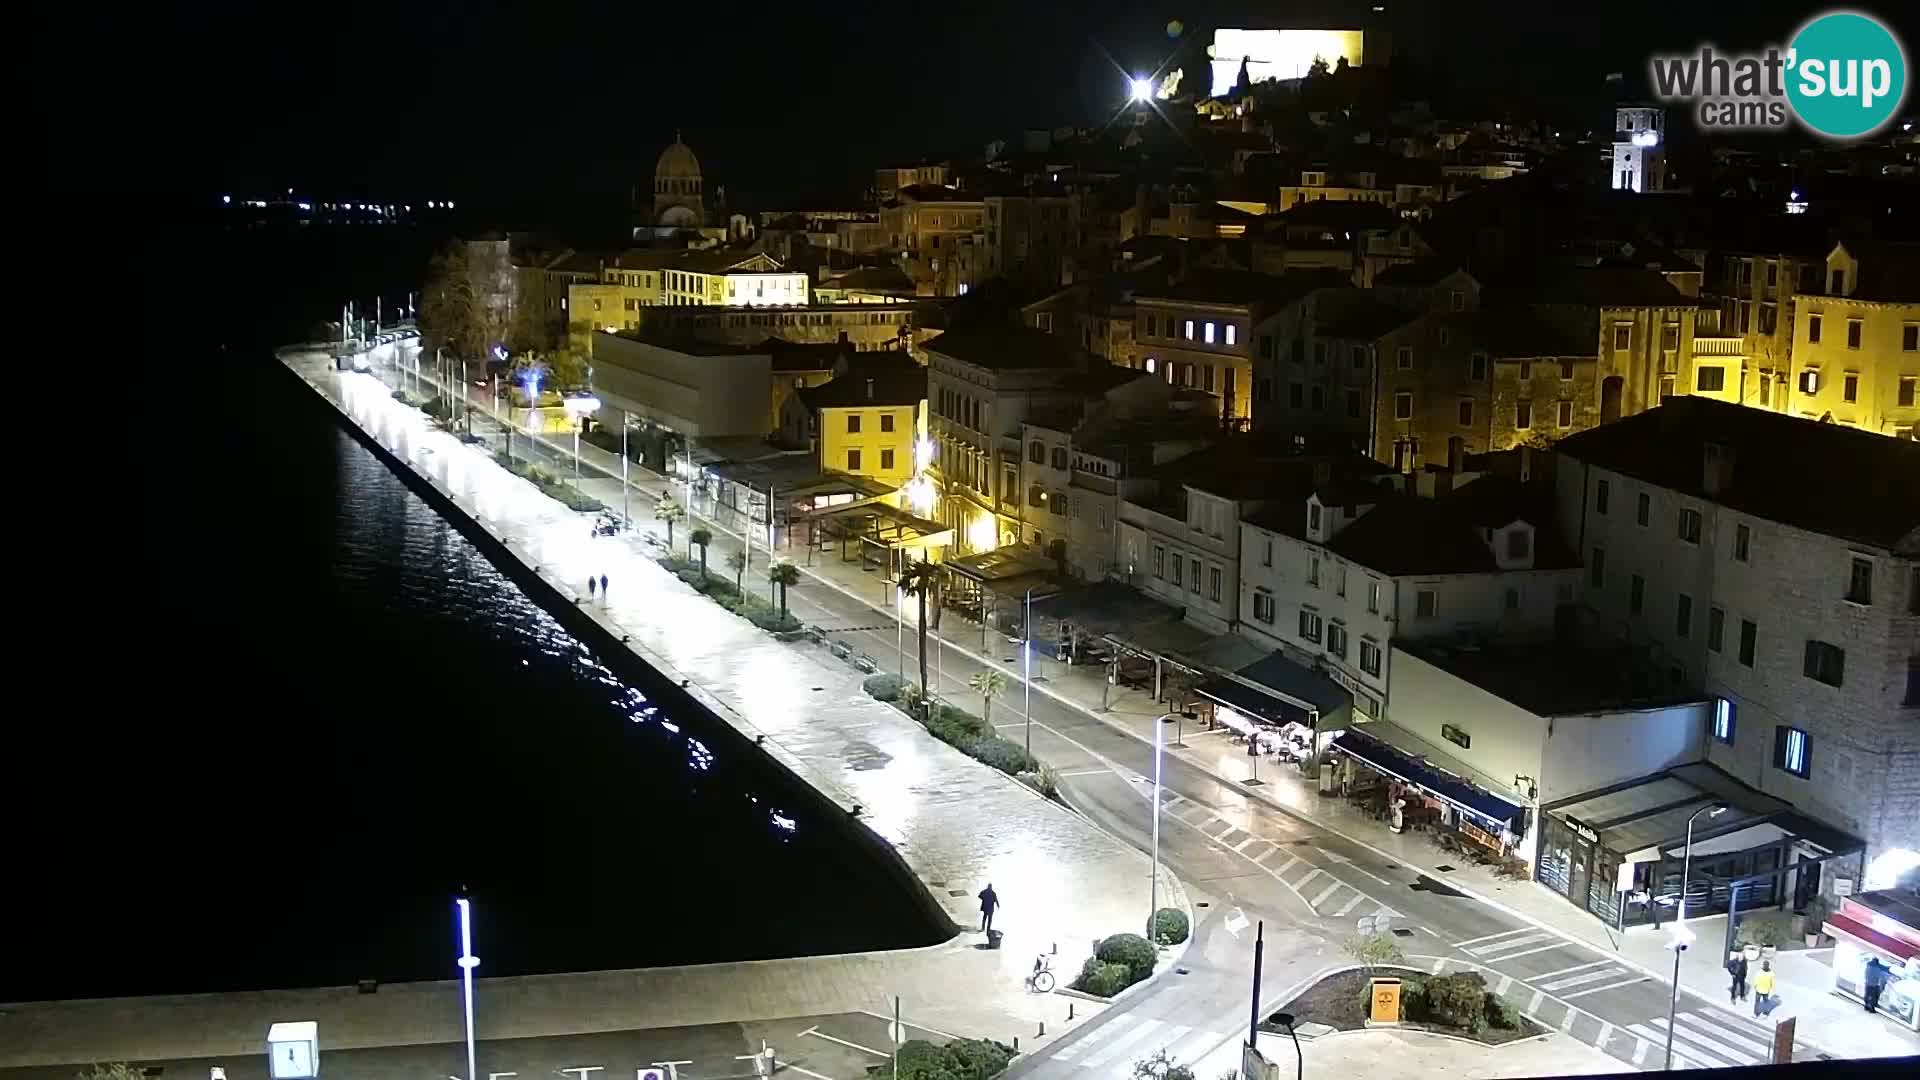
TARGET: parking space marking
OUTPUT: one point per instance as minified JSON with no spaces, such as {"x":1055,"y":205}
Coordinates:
{"x":1356,"y":901}
{"x":1325,"y":893}
{"x":1541,"y":979}
{"x":818,"y":1034}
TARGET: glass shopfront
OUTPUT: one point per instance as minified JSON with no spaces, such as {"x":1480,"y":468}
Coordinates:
{"x":1900,"y":999}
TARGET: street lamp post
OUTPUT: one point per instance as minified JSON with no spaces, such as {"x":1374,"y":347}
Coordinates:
{"x":626,"y":516}
{"x":579,"y":408}
{"x":1681,"y":935}
{"x":1153,"y":890}
{"x":467,"y":962}
{"x":1299,"y":1063}
{"x":1026,"y":664}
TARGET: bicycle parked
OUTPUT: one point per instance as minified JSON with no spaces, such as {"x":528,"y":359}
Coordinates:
{"x":1040,"y":980}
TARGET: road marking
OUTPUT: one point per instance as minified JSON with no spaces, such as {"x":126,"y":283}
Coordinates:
{"x":1292,"y":861}
{"x":1438,"y":963}
{"x":1350,"y":905}
{"x":818,"y":1034}
{"x":1568,"y":971}
{"x":1534,"y":1005}
{"x":1314,"y":873}
{"x":1606,"y":1033}
{"x":803,"y":1069}
{"x":1249,"y":841}
{"x":911,"y":1024}
{"x":1639,"y":1052}
{"x":1225,"y":841}
{"x":1683,"y":1053}
{"x":1566,"y":1022}
{"x":1111,"y":1050}
{"x":1714,"y":1055}
{"x":1490,"y":937}
{"x":1503,"y":957}
{"x":1327,"y":892}
{"x":1706,"y":1040}
{"x":1498,"y":950}
{"x":1176,"y":1032}
{"x":1086,"y":772}
{"x":1608,"y":986}
{"x":1197,"y":1047}
{"x":1501,"y":987}
{"x":1761,"y":1047}
{"x":1558,"y":985}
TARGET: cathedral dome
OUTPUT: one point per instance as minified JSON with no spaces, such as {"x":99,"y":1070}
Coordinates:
{"x":677,"y":163}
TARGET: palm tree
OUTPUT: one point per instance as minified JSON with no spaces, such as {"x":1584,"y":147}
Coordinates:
{"x":737,"y":562}
{"x":988,"y":684}
{"x":918,"y":579}
{"x":700,"y":538}
{"x":783,"y":573}
{"x":669,"y":511}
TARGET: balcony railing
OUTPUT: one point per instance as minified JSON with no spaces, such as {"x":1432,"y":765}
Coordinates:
{"x":1719,"y":346}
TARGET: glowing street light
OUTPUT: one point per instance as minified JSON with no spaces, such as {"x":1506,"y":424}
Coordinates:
{"x":467,"y":962}
{"x":1140,"y":90}
{"x":579,"y":408}
{"x":1682,"y":937}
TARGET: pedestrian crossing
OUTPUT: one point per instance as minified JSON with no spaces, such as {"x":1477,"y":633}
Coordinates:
{"x":1702,"y":1039}
{"x":1276,"y":855}
{"x":1137,"y":1038}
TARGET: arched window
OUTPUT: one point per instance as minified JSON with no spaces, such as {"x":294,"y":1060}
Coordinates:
{"x":1059,"y":457}
{"x":1036,"y":452}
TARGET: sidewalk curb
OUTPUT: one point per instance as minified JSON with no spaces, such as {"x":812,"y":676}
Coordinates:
{"x":1310,"y":981}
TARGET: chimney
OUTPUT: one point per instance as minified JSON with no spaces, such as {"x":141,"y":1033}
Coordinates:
{"x":1717,"y":473}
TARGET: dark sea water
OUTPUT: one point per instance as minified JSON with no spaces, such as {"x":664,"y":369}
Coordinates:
{"x":313,"y":711}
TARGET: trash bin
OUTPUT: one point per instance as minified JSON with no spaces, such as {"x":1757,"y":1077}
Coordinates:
{"x":993,"y":939}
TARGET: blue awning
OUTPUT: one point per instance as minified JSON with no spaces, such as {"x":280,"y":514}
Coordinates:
{"x":1490,"y":808}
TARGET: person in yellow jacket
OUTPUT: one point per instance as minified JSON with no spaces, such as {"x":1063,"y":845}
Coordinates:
{"x":1763,"y":989}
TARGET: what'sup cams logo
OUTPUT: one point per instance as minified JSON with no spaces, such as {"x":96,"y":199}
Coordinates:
{"x":1843,"y":76}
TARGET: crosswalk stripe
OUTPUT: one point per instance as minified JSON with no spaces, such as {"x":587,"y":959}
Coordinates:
{"x":1227,"y":838}
{"x":1569,"y":971}
{"x":1196,"y":1045}
{"x":1242,"y":845}
{"x":1681,"y":1051}
{"x":1529,"y":952}
{"x":1532,"y":938}
{"x":1639,"y":1052}
{"x":1533,"y":1006}
{"x":1735,"y":1038}
{"x":1140,"y":1030}
{"x":1068,"y":1053}
{"x":1501,"y":987}
{"x":1325,"y":893}
{"x":1572,"y":981}
{"x":1490,"y":937}
{"x":1707,"y":1044}
{"x":1281,"y":870}
{"x":1350,"y":904}
{"x":1311,"y":874}
{"x":1607,"y":986}
{"x":1734,"y":1025}
{"x":1566,"y":1022}
{"x":1606,"y":1033}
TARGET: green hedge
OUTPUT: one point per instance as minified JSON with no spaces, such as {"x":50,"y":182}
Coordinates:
{"x":1458,"y":1000}
{"x":1003,"y":754}
{"x":550,"y":485}
{"x":1136,"y":952}
{"x":722,"y":591}
{"x":961,"y":1059}
{"x":1101,"y":978}
{"x":1170,"y":926}
{"x":885,"y":686}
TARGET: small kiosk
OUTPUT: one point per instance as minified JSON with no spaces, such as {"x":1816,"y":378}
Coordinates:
{"x":1884,"y":926}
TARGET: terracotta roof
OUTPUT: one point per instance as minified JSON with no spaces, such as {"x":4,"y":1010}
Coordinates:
{"x":895,"y":386}
{"x":1003,"y":347}
{"x":1243,"y":287}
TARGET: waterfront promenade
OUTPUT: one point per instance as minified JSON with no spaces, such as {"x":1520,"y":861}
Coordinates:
{"x":956,"y":823}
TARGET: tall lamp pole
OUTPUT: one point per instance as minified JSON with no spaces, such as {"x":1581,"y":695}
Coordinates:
{"x":1026,"y":664}
{"x":1299,"y":1062}
{"x":467,"y":962}
{"x":1681,"y":935}
{"x":1153,"y":890}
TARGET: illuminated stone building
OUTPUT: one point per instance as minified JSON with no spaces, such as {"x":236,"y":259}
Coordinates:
{"x":679,"y":191}
{"x":1856,"y":343}
{"x":1639,"y":148}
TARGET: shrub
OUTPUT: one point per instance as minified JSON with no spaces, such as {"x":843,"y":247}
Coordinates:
{"x":1170,"y":926}
{"x":961,"y":1059}
{"x":1045,"y":780}
{"x":1458,"y":1000}
{"x":885,"y":686}
{"x":1501,"y":1012}
{"x":1374,"y":951}
{"x":1161,"y":1067}
{"x":1003,"y":754}
{"x":1101,"y":978}
{"x":952,"y":725}
{"x":977,"y":1059}
{"x":1136,"y":952}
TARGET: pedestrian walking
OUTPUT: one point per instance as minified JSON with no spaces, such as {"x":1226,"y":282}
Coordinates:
{"x":1876,"y":981}
{"x":1763,"y":1000}
{"x":603,"y":586}
{"x":1737,"y":968}
{"x":989,"y":903}
{"x":589,"y":586}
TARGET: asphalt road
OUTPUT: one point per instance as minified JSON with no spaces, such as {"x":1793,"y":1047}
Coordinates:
{"x":1247,"y":861}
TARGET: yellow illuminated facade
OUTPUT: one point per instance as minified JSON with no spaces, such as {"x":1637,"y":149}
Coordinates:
{"x":875,"y":441}
{"x":1856,"y":358}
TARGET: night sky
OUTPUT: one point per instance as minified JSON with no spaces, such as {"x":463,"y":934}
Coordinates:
{"x":791,"y":104}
